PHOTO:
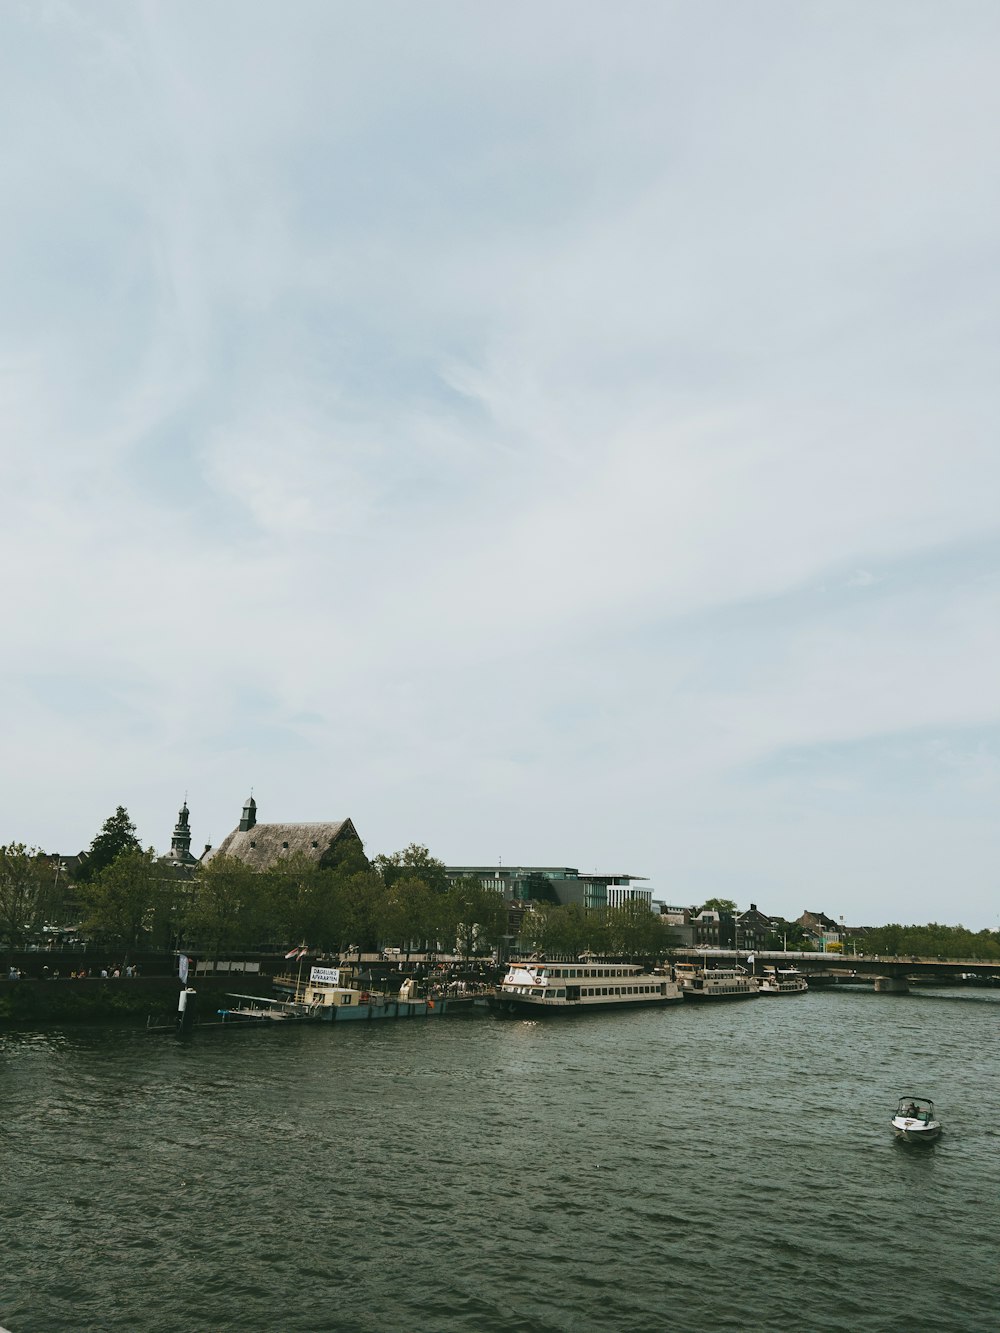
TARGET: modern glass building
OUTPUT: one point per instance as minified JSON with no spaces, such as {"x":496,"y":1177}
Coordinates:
{"x":558,"y":884}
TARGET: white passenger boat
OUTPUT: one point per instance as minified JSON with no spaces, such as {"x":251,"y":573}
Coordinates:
{"x":715,"y":983}
{"x":782,"y":981}
{"x":533,"y":988}
{"x":914,"y":1120}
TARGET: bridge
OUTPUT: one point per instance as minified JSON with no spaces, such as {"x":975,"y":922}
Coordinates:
{"x":890,"y":975}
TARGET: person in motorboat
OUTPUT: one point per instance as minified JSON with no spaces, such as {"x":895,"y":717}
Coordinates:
{"x":915,"y":1120}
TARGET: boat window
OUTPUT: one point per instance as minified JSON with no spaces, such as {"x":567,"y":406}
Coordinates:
{"x":561,"y":992}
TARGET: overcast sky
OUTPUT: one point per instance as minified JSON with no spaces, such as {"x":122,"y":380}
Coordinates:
{"x":556,"y":433}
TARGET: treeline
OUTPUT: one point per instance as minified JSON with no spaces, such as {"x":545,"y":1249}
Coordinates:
{"x":404,"y":899}
{"x":932,"y":941}
{"x":137,"y":901}
{"x":631,"y":930}
{"x":129,"y":897}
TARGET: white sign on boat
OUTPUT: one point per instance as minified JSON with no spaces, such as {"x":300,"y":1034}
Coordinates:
{"x":325,"y":976}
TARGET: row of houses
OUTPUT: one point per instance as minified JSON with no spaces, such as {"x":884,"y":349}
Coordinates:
{"x":754,"y":929}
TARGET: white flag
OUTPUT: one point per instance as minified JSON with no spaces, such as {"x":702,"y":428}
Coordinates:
{"x":182,"y":968}
{"x":750,"y":958}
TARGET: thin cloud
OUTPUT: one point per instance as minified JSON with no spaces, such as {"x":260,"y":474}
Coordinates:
{"x":529,"y":433}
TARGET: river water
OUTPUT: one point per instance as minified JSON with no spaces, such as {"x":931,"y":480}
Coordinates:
{"x":692,"y":1169}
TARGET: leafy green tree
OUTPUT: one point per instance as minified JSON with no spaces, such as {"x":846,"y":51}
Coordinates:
{"x":571,"y":929}
{"x":635,"y":931}
{"x":414,"y":912}
{"x":121,"y":901}
{"x":630,"y":930}
{"x":346,"y":857}
{"x":116,"y":837}
{"x":414,"y":862}
{"x":537,"y":928}
{"x":25,"y":879}
{"x":229,"y":907}
{"x":474,"y":916}
{"x":719,"y":905}
{"x":302,"y":902}
{"x":932,"y":941}
{"x":365,"y":913}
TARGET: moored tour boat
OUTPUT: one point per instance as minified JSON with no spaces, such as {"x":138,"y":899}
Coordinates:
{"x":716,"y":983}
{"x":538,"y":987}
{"x":914,"y":1120}
{"x":782,"y":981}
{"x":337,"y":995}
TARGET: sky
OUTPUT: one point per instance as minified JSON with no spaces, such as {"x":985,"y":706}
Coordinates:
{"x":551,"y":433}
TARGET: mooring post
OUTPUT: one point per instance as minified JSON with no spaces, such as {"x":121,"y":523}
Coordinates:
{"x":186,"y":1004}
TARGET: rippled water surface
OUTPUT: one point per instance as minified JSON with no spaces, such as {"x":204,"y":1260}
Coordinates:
{"x":700,"y":1169}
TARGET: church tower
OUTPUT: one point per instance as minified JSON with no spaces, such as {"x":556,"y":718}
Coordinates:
{"x":180,"y":843}
{"x":249,"y":815}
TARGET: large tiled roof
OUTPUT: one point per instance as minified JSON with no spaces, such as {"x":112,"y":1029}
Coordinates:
{"x":265,"y":844}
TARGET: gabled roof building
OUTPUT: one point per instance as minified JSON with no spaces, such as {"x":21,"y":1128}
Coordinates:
{"x":261,"y":846}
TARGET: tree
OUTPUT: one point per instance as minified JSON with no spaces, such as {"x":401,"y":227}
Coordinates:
{"x":346,"y":856}
{"x":120,"y":902}
{"x":719,"y":905}
{"x":363,"y":902}
{"x":572,"y":929}
{"x":303,"y":908}
{"x":24,"y":885}
{"x":414,"y":862}
{"x":536,"y":930}
{"x":227,"y":907}
{"x":635,"y":931}
{"x":116,"y":837}
{"x":413,"y":912}
{"x":474,"y":916}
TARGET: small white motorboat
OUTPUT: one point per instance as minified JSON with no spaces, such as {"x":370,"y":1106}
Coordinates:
{"x":782,"y":981}
{"x":914,"y":1120}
